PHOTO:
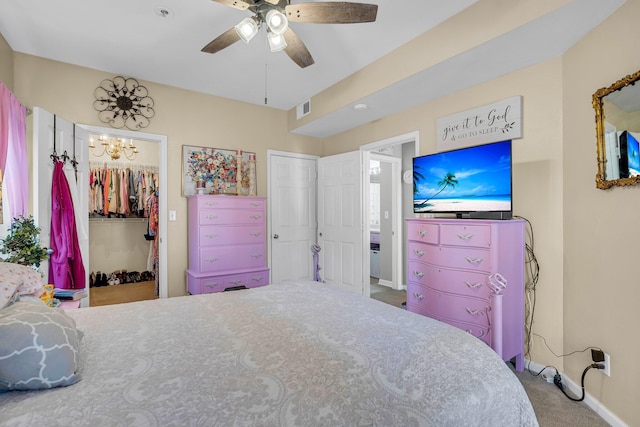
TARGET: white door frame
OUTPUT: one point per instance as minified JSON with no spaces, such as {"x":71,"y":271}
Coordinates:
{"x":398,"y":238}
{"x":163,"y":287}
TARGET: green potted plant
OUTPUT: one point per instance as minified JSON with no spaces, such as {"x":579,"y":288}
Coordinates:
{"x":22,"y":244}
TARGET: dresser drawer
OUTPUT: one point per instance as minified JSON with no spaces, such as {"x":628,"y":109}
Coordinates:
{"x":481,"y":332}
{"x":466,"y":235}
{"x":231,"y":257}
{"x":230,"y":216}
{"x":421,"y":232}
{"x":453,"y":281}
{"x":448,"y":306}
{"x":218,"y":283}
{"x":466,"y":258}
{"x":212,"y":235}
{"x":229,"y":202}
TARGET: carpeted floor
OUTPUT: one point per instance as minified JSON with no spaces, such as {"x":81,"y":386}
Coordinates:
{"x":552,"y":408}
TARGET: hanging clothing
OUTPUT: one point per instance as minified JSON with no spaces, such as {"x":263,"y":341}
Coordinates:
{"x":120,"y":191}
{"x":153,"y":230}
{"x":66,"y":269}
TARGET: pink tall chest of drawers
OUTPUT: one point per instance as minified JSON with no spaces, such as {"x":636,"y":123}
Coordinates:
{"x":227,"y":243}
{"x":470,"y":274}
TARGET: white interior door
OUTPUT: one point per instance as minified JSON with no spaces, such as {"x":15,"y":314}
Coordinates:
{"x":51,"y":132}
{"x":293,"y":219}
{"x":341,"y":227}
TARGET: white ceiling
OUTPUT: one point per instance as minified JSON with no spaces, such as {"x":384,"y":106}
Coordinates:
{"x":132,"y":39}
{"x":129,"y":38}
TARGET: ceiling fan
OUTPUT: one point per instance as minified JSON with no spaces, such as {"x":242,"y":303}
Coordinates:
{"x":276,"y":15}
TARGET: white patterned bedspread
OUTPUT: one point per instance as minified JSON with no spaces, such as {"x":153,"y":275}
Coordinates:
{"x":290,"y":354}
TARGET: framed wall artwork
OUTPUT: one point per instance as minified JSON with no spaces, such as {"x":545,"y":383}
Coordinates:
{"x":207,"y":170}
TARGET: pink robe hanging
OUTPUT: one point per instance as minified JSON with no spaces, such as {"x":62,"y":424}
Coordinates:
{"x":66,"y":270}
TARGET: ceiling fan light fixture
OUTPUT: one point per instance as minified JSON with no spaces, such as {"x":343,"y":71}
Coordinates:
{"x":276,"y":41}
{"x":247,"y":29}
{"x":277,"y":21}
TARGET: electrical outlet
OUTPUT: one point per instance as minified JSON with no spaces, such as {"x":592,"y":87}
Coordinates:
{"x":607,"y":365}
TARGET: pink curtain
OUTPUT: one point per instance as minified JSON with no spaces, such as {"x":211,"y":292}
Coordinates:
{"x":13,"y":152}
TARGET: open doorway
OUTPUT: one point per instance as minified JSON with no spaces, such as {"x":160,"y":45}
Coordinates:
{"x":389,"y":203}
{"x":127,"y":262}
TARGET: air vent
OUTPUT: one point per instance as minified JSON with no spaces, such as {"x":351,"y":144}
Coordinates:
{"x":303,"y":109}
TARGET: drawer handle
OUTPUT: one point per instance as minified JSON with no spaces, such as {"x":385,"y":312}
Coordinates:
{"x":255,"y":216}
{"x":474,"y":261}
{"x":418,"y":296}
{"x":256,"y":203}
{"x":257,"y":278}
{"x":256,"y":255}
{"x":422,"y":233}
{"x":211,"y":285}
{"x":212,"y":216}
{"x":473,"y":285}
{"x":418,"y":252}
{"x":211,"y":236}
{"x":256,"y":234}
{"x":465,"y":236}
{"x":419,"y":274}
{"x":472,"y":311}
{"x":211,"y":259}
{"x":211,"y":203}
{"x":482,"y":333}
{"x":235,"y":282}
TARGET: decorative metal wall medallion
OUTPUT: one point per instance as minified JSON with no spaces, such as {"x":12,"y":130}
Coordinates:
{"x":123,"y":102}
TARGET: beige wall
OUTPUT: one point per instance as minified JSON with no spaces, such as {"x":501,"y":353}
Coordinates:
{"x":601,"y":231}
{"x":186,"y":118}
{"x":6,"y":63}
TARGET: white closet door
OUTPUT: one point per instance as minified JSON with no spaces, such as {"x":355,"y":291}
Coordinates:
{"x":43,"y":147}
{"x":292,"y":203}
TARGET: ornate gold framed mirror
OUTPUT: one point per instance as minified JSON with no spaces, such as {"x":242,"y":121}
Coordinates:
{"x":617,"y":110}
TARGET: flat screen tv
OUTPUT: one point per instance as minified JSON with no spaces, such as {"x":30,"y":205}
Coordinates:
{"x":629,"y":161}
{"x":471,"y":182}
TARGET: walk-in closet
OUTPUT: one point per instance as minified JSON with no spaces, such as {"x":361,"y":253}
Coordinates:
{"x":123,"y":219}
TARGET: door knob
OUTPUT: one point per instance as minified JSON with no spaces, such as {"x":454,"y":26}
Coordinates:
{"x":275,"y":236}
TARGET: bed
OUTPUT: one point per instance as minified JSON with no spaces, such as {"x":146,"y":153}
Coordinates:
{"x":288,"y":354}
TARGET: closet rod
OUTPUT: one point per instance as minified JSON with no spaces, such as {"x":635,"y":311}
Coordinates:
{"x":95,"y":219}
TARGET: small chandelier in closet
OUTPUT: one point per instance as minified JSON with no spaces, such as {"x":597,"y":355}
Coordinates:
{"x":114,"y":147}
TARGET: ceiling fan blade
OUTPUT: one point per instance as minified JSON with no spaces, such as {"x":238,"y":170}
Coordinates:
{"x":238,"y":4}
{"x":296,"y":50}
{"x":225,"y":39}
{"x":332,"y":12}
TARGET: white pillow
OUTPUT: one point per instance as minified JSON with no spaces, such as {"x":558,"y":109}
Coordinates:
{"x":16,"y":280}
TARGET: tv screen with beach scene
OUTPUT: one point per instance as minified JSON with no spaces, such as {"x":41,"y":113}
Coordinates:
{"x":467,"y":180}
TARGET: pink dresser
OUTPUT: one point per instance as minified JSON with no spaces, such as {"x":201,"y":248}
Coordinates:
{"x":227,"y":243}
{"x":470,"y":274}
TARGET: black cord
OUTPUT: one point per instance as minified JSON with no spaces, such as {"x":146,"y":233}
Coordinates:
{"x":534,"y":272}
{"x":566,"y":354}
{"x":557,"y":380}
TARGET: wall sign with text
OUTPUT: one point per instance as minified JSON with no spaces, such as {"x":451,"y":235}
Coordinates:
{"x":490,"y":123}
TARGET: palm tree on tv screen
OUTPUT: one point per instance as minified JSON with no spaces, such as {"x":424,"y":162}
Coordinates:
{"x":417,"y":176}
{"x":448,"y":180}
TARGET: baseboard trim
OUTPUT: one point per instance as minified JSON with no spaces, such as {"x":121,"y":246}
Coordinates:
{"x":387,"y":283}
{"x":589,"y":400}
